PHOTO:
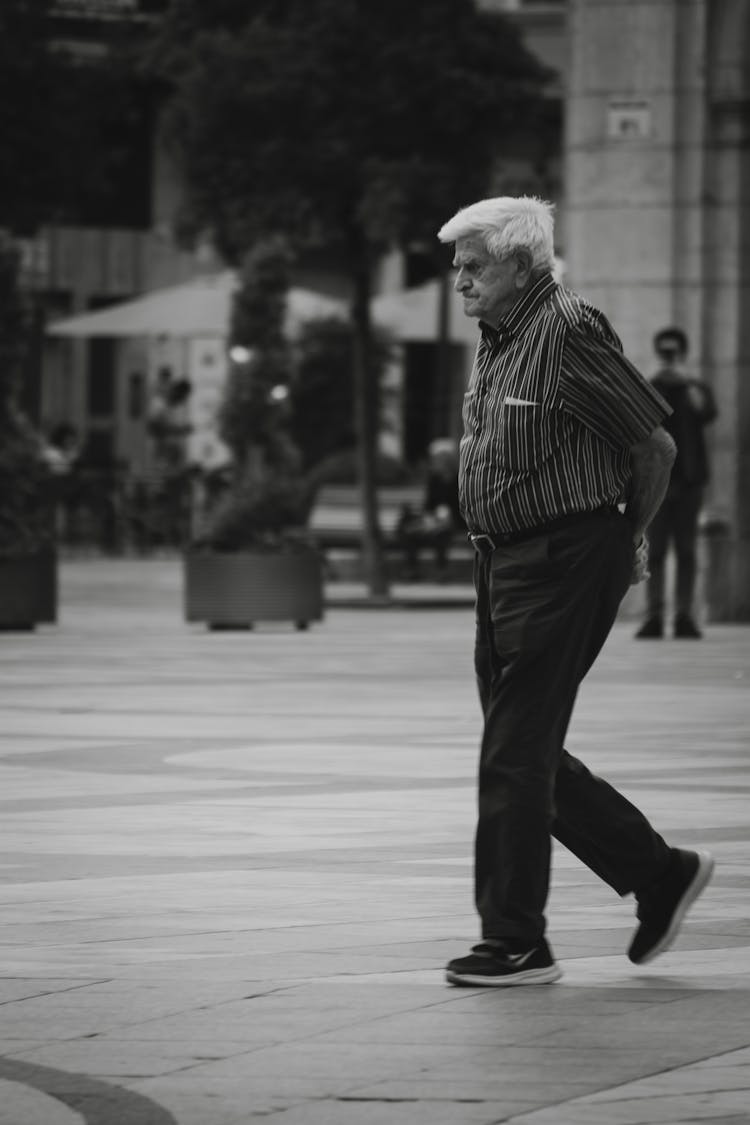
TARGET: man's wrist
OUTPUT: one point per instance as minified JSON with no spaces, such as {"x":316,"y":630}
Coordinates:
{"x":638,"y":530}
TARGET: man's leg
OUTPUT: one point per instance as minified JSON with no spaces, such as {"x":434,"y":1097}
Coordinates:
{"x":616,"y":841}
{"x":592,"y":819}
{"x":441,"y":543}
{"x":548,"y":606}
{"x":605,"y":831}
{"x":493,"y":963}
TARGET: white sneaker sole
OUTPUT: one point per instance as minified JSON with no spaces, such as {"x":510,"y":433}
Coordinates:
{"x":525,"y":976}
{"x":693,"y":889}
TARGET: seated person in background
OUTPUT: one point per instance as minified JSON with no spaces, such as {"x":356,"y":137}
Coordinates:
{"x":61,"y":454}
{"x":440,"y":518}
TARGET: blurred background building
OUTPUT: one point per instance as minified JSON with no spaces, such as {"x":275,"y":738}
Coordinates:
{"x":644,"y":150}
{"x":100,"y":383}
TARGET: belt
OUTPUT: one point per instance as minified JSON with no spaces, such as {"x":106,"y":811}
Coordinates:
{"x":485,"y":542}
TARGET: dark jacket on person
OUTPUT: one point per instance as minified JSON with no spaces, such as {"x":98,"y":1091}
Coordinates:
{"x":685,"y":425}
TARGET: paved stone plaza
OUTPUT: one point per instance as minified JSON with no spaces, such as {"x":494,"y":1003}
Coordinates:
{"x":234,"y":865}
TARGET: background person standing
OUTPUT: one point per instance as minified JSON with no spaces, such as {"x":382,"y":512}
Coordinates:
{"x":676,"y":522}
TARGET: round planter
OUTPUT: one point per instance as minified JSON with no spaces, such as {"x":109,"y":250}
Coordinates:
{"x":234,"y":590}
{"x":28,"y":590}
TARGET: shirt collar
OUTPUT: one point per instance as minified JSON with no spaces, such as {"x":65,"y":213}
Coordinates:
{"x":522,"y":312}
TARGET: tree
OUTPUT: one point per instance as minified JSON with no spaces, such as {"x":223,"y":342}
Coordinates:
{"x":267,"y":497}
{"x":322,"y":398}
{"x":15,"y":327}
{"x":25,"y":503}
{"x":249,"y":420}
{"x":352,"y":124}
{"x":73,"y":129}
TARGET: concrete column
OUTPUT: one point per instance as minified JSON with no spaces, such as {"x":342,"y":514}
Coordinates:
{"x":634,"y":171}
{"x":658,"y":215}
{"x":726,"y":307}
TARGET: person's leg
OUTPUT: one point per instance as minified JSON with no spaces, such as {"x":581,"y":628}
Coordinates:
{"x":545,"y":610}
{"x":599,"y":825}
{"x":408,"y":537}
{"x":493,"y":963}
{"x":410,"y":543}
{"x":441,"y":544}
{"x":687,"y":508}
{"x":616,"y":841}
{"x":592,"y":819}
{"x":411,"y":557}
{"x":605,"y":831}
{"x":658,"y":533}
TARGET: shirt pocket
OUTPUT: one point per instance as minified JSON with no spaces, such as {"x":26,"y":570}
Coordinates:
{"x":522,"y":436}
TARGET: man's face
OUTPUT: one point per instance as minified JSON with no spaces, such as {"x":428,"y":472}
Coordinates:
{"x":489,"y":287}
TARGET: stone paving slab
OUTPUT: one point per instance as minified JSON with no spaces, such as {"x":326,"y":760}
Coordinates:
{"x":232,"y":867}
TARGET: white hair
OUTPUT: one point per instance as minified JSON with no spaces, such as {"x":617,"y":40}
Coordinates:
{"x":505,"y":224}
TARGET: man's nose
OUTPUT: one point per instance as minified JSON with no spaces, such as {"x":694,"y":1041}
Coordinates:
{"x":461,"y":282}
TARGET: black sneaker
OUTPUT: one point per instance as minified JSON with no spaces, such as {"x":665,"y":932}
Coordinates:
{"x":492,"y":964}
{"x":663,"y":906}
{"x":652,"y":627}
{"x":685,"y":627}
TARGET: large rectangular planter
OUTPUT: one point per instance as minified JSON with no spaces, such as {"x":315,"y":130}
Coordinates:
{"x":28,"y":590}
{"x":236,"y":589}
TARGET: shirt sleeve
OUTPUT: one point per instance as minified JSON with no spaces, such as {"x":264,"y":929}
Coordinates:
{"x":603,"y":390}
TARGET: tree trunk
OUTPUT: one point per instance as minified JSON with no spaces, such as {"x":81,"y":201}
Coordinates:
{"x":443,"y":372}
{"x":366,"y":420}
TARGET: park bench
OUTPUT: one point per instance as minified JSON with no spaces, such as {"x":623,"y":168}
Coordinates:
{"x":336,"y":522}
{"x":336,"y":517}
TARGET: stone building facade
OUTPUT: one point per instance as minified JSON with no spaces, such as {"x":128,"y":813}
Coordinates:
{"x":657,"y":217}
{"x":653,"y":225}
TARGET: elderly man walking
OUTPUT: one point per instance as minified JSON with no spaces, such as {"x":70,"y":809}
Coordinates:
{"x":563,"y":464}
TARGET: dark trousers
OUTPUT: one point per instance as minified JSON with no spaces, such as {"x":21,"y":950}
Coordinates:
{"x":544,"y":609}
{"x":676,"y":522}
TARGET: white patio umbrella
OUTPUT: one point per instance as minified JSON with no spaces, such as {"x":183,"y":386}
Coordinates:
{"x":414,"y":314}
{"x":196,"y":308}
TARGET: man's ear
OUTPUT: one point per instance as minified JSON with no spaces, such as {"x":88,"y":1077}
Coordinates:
{"x":524,"y":265}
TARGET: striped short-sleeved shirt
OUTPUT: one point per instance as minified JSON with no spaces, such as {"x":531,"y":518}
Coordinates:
{"x":551,"y":411}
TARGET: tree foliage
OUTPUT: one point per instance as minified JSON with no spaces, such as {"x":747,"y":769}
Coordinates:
{"x":362,"y":122}
{"x":250,"y":419}
{"x":15,"y":326}
{"x":267,"y":497}
{"x":25,"y":513}
{"x":322,"y":398}
{"x":354,"y":125}
{"x":74,"y":130}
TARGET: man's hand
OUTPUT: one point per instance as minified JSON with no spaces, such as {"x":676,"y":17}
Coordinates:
{"x":640,"y":562}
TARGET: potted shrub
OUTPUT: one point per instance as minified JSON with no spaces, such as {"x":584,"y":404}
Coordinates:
{"x":254,"y":560}
{"x":28,"y":572}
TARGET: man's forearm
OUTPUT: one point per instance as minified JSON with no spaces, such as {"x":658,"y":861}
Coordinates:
{"x":651,"y":463}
